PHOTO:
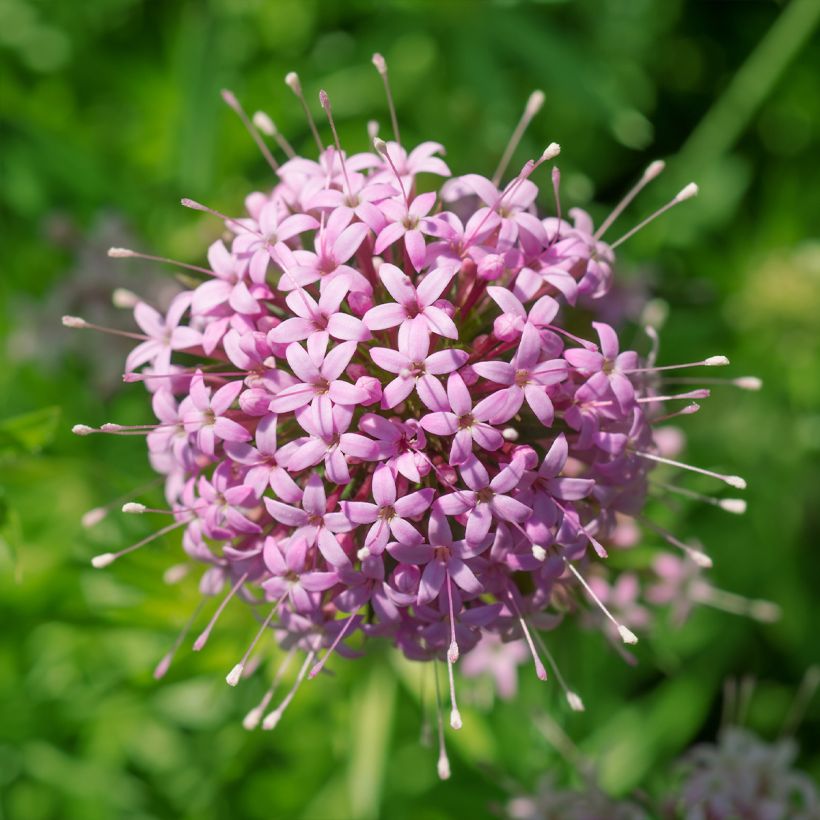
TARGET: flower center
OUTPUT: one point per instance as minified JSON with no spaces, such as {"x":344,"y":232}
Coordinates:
{"x":466,"y":421}
{"x":522,"y":378}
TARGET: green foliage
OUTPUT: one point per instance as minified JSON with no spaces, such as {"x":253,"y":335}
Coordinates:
{"x":111,"y":113}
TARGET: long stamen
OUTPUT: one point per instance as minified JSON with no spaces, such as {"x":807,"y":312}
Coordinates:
{"x":709,"y":361}
{"x":97,"y":514}
{"x":573,"y":698}
{"x":452,"y":651}
{"x":234,"y":103}
{"x":692,"y":394}
{"x":206,"y":633}
{"x":540,"y":671}
{"x":697,"y":555}
{"x":752,"y":383}
{"x":556,"y":192}
{"x":760,"y":610}
{"x":652,"y":170}
{"x":106,"y":558}
{"x":381,"y":67}
{"x":127,"y":253}
{"x":233,"y":677}
{"x":732,"y":480}
{"x":627,"y":635}
{"x":165,"y":663}
{"x":78,"y":323}
{"x":272,"y":718}
{"x":732,"y":505}
{"x":251,"y":720}
{"x":381,"y":147}
{"x":684,"y":411}
{"x":265,"y":124}
{"x":186,"y":202}
{"x":686,"y":193}
{"x":336,"y":641}
{"x":324,"y":100}
{"x":443,"y":763}
{"x":292,"y":82}
{"x":455,"y":715}
{"x":572,"y":515}
{"x":533,"y":106}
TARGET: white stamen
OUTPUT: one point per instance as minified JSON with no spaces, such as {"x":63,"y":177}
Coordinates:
{"x":694,"y":553}
{"x":539,"y":553}
{"x":748,"y":383}
{"x":534,"y":103}
{"x":93,"y":517}
{"x":733,"y":505}
{"x":205,"y":634}
{"x":627,"y":636}
{"x":74,"y":321}
{"x":251,"y":720}
{"x":134,"y":508}
{"x":575,"y":702}
{"x":452,"y":652}
{"x":236,"y":106}
{"x":381,"y":66}
{"x":687,"y":192}
{"x":124,"y":298}
{"x":82,"y":430}
{"x":510,"y":434}
{"x":363,"y":553}
{"x":443,"y":765}
{"x":264,"y":123}
{"x":121,"y":253}
{"x":550,"y":152}
{"x":372,"y":130}
{"x":533,"y":106}
{"x":716,"y":361}
{"x":235,"y":675}
{"x":652,"y":170}
{"x":100,"y":561}
{"x":731,"y":480}
{"x":275,"y":716}
{"x":380,"y":145}
{"x":174,"y":574}
{"x":292,"y":80}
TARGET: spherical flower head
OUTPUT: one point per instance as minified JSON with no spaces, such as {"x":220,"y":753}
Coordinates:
{"x":390,"y":417}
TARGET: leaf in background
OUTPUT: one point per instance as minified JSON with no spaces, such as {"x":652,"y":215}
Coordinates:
{"x":28,"y":433}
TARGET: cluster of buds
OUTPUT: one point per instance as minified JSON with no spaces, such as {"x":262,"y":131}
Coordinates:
{"x":373,"y":419}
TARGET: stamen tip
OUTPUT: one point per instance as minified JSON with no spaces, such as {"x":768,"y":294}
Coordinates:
{"x":380,"y":145}
{"x":324,"y":100}
{"x":264,"y":123}
{"x":93,"y":517}
{"x":235,"y":675}
{"x":363,"y":553}
{"x":192,"y":203}
{"x":539,"y":553}
{"x":653,"y":169}
{"x":74,"y":321}
{"x":452,"y":652}
{"x":575,"y":702}
{"x":443,"y":767}
{"x":551,"y":151}
{"x":540,"y":670}
{"x":270,"y":721}
{"x":748,"y":383}
{"x":134,"y":508}
{"x":230,"y":98}
{"x":103,"y":560}
{"x":162,"y":667}
{"x":120,"y":253}
{"x":765,"y":611}
{"x":733,"y":505}
{"x":510,"y":434}
{"x":534,"y":103}
{"x":455,"y":718}
{"x":124,"y":298}
{"x":736,"y":481}
{"x":688,"y":192}
{"x":716,"y":361}
{"x":251,"y":720}
{"x":700,"y":558}
{"x":627,"y":635}
{"x":380,"y":63}
{"x":82,"y":430}
{"x":201,"y":641}
{"x":292,"y":81}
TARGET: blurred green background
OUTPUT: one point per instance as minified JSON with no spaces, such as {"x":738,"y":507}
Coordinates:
{"x":111,"y":112}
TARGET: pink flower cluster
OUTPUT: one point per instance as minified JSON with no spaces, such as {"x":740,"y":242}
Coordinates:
{"x":372,"y":414}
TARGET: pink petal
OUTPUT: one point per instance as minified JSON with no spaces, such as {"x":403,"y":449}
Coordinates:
{"x":441,"y":423}
{"x":439,"y":322}
{"x":385,"y":316}
{"x":346,"y":327}
{"x":384,"y":486}
{"x":344,"y":393}
{"x":529,"y":348}
{"x":462,"y":448}
{"x":330,"y":549}
{"x":336,"y":466}
{"x":225,"y":397}
{"x":301,"y":364}
{"x":404,"y":532}
{"x":433,"y":285}
{"x":445,"y":361}
{"x":396,"y":392}
{"x":478,"y":523}
{"x":509,"y":509}
{"x":337,"y":360}
{"x":499,"y":372}
{"x":307,"y":455}
{"x":431,"y":392}
{"x":416,"y":248}
{"x":352,"y":444}
{"x":388,"y":235}
{"x":348,"y":242}
{"x":411,"y":553}
{"x":291,"y":330}
{"x":390,"y":360}
{"x":431,"y":580}
{"x":398,"y":284}
{"x":360,"y":512}
{"x":414,"y":504}
{"x":229,"y":430}
{"x":285,"y":514}
{"x":540,"y":404}
{"x":291,"y":398}
{"x":609,"y":340}
{"x":459,"y":395}
{"x":508,"y":303}
{"x":464,"y":576}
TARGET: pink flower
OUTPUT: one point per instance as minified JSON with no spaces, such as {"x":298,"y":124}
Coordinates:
{"x":462,"y":422}
{"x":412,"y":303}
{"x":526,"y":377}
{"x":287,"y":564}
{"x":388,"y":514}
{"x":166,"y":335}
{"x":406,"y":220}
{"x":208,"y":417}
{"x":318,"y":372}
{"x":313,"y":522}
{"x":416,"y":368}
